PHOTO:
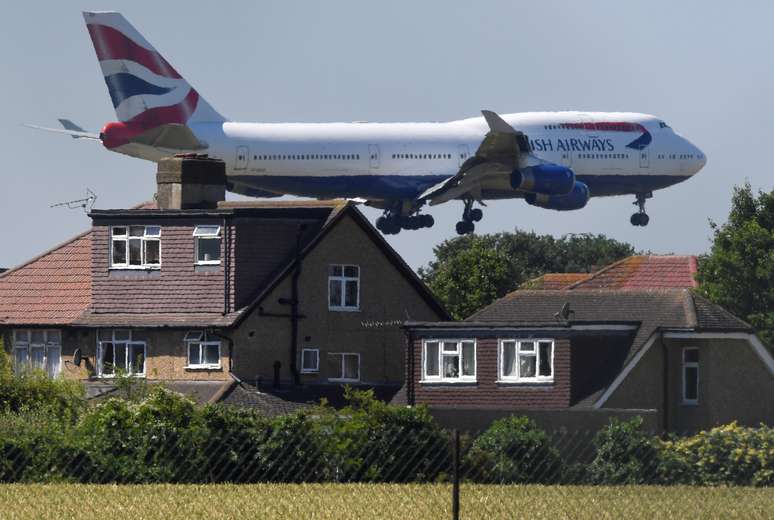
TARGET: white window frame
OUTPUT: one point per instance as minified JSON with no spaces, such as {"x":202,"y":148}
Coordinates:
{"x":461,"y":378}
{"x":27,"y":345}
{"x":316,"y":368}
{"x":685,"y":366}
{"x":537,"y":378}
{"x":346,"y":379}
{"x":344,"y":279}
{"x":127,"y":344}
{"x":144,"y":239}
{"x":202,"y":232}
{"x":204,"y":340}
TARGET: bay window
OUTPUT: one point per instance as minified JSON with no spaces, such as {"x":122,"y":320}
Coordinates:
{"x":527,"y":361}
{"x":39,"y":350}
{"x":203,"y":350}
{"x":119,"y":354}
{"x":135,"y":247}
{"x":449,"y":360}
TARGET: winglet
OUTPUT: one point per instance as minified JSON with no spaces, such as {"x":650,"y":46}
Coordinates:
{"x":497,"y":123}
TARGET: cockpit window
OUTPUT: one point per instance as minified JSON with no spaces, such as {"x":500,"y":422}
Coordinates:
{"x":662,"y":124}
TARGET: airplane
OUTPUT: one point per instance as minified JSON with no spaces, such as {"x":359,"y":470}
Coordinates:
{"x":553,"y":160}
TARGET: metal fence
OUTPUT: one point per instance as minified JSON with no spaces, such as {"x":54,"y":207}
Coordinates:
{"x":292,"y":470}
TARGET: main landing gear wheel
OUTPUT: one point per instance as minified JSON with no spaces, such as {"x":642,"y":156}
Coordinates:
{"x":469,"y":216}
{"x":641,"y":218}
{"x":391,"y":224}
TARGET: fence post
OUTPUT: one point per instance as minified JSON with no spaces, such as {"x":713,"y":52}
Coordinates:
{"x":456,"y":471}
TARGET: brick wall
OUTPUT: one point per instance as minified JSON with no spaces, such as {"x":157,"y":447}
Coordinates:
{"x":486,"y":392}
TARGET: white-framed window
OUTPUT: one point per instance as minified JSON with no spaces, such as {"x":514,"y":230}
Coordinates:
{"x":37,"y":349}
{"x":344,"y":366}
{"x":449,"y":360}
{"x":343,"y":287}
{"x":690,"y":375}
{"x":202,"y":350}
{"x":310,"y":360}
{"x":207,"y":245}
{"x":118,"y":353}
{"x":527,"y":360}
{"x":135,"y":247}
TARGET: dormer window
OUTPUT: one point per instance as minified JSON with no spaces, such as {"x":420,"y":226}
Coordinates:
{"x":207,"y":245}
{"x":135,"y":247}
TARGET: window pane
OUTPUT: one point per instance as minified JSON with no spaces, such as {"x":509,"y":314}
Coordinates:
{"x":22,"y":336}
{"x":120,"y":356}
{"x":136,"y":231}
{"x":468,"y":359}
{"x":526,"y":346}
{"x":527,"y":365}
{"x":37,"y":358}
{"x":135,"y":257}
{"x":450,"y":346}
{"x":136,"y":358}
{"x":206,"y":231}
{"x":108,"y":360}
{"x":120,"y":334}
{"x":509,"y":359}
{"x":334,"y":270}
{"x":334,"y":293}
{"x":54,"y":336}
{"x":334,"y":366}
{"x":212,"y":354}
{"x":152,"y":231}
{"x":20,"y":360}
{"x":152,"y":249}
{"x":691,"y":355}
{"x":431,"y":359}
{"x":351,"y":271}
{"x":546,"y":348}
{"x":350,"y":298}
{"x":194,"y":335}
{"x":53,"y":360}
{"x":691,"y":383}
{"x":119,"y":231}
{"x":351,"y":366}
{"x":193,"y":354}
{"x":451,"y":366}
{"x":208,"y":249}
{"x":37,"y":336}
{"x":309,"y":359}
{"x":119,"y":251}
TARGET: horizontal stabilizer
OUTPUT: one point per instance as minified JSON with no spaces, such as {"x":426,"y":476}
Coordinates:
{"x":78,"y":134}
{"x":69,"y":125}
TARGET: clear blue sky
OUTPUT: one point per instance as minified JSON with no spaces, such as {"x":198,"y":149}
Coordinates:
{"x":704,"y":67}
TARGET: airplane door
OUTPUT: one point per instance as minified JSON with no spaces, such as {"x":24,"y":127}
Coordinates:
{"x":462,"y":152}
{"x":644,"y":158}
{"x":373,"y":155}
{"x":242,"y":154}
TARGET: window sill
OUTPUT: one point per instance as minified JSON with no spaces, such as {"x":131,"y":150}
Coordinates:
{"x":135,"y":268}
{"x":208,"y":263}
{"x":310,"y":371}
{"x":113,"y":376}
{"x":338,"y":380}
{"x":442,"y":382}
{"x":690,"y":403}
{"x":202,"y":367}
{"x":525,"y":382}
{"x":344,"y":309}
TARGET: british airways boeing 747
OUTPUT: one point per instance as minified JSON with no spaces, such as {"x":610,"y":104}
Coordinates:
{"x":553,"y":160}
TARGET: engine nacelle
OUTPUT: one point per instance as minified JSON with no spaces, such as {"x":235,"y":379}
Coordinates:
{"x":576,"y":199}
{"x":548,"y":179}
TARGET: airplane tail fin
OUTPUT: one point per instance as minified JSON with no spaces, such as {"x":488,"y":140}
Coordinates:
{"x":146,"y":90}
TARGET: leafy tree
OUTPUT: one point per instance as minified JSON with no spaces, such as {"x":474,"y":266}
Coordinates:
{"x":738,"y":273}
{"x":471,"y":271}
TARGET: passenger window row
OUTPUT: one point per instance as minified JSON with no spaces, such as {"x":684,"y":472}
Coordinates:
{"x":603,"y":156}
{"x":421,"y":156}
{"x":306,"y":157}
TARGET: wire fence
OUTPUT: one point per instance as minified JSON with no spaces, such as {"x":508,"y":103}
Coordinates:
{"x":303,"y":469}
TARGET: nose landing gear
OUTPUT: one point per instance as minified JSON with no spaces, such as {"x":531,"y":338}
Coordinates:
{"x":469,"y":216}
{"x":641,"y":218}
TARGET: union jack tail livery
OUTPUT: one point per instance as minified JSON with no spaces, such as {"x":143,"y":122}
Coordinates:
{"x":146,"y":91}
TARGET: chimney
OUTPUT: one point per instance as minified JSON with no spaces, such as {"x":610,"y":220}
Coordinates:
{"x":190,"y":182}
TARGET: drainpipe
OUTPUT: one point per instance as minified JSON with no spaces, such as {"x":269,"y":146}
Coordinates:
{"x":294,"y":308}
{"x":410,"y":366}
{"x":665,"y":387}
{"x":226,"y":262}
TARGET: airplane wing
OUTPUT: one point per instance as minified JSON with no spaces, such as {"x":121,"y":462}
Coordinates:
{"x":500,"y":152}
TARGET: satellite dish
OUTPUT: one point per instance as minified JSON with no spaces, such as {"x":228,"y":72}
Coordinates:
{"x":77,"y":357}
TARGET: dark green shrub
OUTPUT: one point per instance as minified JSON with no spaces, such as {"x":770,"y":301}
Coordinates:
{"x":625,"y":454}
{"x":513,"y":450}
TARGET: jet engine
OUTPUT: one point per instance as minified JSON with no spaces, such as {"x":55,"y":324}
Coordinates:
{"x":547,"y":179}
{"x":575,"y":199}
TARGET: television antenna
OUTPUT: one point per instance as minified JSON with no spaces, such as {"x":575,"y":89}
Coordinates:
{"x":86,"y":203}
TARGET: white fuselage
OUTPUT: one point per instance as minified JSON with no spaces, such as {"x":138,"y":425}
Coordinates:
{"x":613,"y":153}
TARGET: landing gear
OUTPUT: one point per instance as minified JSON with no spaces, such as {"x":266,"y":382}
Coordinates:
{"x":392,"y":222}
{"x":641,"y":218}
{"x":469,"y":216}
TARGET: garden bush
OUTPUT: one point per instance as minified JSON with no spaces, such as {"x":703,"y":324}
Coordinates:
{"x":513,"y":450}
{"x":625,"y":454}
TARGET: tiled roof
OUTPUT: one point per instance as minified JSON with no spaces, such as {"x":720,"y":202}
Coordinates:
{"x":643,"y":272}
{"x":553,"y":281}
{"x":156,"y":320}
{"x":51,"y":289}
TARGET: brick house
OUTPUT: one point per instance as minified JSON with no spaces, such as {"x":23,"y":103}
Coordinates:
{"x":630,"y":339}
{"x":217,"y":299}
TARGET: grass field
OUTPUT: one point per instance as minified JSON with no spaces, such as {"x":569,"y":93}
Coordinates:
{"x":387,"y":501}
